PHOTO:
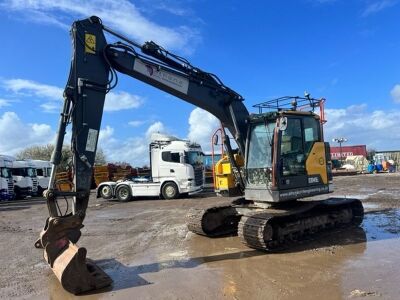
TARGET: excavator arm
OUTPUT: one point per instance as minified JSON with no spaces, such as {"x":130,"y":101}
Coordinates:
{"x":93,"y":74}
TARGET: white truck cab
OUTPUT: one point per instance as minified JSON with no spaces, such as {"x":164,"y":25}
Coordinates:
{"x":24,"y":177}
{"x":6,"y":179}
{"x":176,"y":168}
{"x":43,"y":171}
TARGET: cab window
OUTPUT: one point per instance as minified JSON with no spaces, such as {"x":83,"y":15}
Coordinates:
{"x":292,"y":149}
{"x":169,"y":156}
{"x":311,"y":133}
{"x":296,"y":143}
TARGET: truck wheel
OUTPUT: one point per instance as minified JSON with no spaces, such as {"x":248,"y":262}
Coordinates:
{"x":106,"y":192}
{"x":170,"y":191}
{"x":123,"y":193}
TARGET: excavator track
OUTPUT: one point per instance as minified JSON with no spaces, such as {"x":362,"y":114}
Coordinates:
{"x":279,"y":228}
{"x":213,"y":221}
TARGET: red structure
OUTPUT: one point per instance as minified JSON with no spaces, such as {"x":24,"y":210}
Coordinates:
{"x":348,"y":151}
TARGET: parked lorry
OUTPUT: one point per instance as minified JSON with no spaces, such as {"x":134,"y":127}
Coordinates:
{"x":25,"y":179}
{"x":43,"y":171}
{"x":6,"y":180}
{"x":176,"y":168}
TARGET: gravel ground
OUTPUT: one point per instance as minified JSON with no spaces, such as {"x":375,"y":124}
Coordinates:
{"x":146,"y":248}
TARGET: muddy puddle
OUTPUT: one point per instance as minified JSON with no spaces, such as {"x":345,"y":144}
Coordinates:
{"x":358,"y":262}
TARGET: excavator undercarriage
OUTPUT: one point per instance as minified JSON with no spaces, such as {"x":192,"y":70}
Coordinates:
{"x":278,"y":226}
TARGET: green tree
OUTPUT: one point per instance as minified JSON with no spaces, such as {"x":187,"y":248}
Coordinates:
{"x":44,"y":153}
{"x":100,"y":157}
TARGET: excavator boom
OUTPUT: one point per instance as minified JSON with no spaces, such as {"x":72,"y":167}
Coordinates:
{"x":285,"y":156}
{"x":93,"y":74}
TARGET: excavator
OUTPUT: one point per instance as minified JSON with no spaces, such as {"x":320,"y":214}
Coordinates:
{"x":286,"y":159}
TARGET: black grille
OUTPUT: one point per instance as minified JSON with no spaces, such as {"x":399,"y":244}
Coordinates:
{"x":10,"y":186}
{"x":35,"y":185}
{"x":198,"y":176}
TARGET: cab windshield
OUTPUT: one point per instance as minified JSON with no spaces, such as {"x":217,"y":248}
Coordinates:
{"x":194,"y":157}
{"x":5,"y":173}
{"x":259,"y":155}
{"x":31,"y":172}
{"x":259,"y":152}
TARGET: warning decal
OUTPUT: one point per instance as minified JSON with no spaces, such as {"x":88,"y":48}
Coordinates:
{"x":90,"y":43}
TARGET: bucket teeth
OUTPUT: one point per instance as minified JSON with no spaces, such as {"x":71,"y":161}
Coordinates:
{"x":77,"y":273}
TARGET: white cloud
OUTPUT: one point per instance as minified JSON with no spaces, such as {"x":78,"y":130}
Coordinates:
{"x":172,"y":7}
{"x":136,"y":123}
{"x":376,"y":129}
{"x":51,"y":107}
{"x":121,"y":15}
{"x":202,"y":125}
{"x":19,"y":135}
{"x":156,"y":127}
{"x":134,"y":150}
{"x":395,"y":93}
{"x":4,"y":103}
{"x":106,"y":134}
{"x":376,"y":6}
{"x":115,"y":101}
{"x":32,"y":88}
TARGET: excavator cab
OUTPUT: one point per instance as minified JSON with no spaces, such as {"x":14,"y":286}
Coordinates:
{"x":286,"y":157}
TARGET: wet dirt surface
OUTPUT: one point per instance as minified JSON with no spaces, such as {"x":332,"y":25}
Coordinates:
{"x":146,"y":249}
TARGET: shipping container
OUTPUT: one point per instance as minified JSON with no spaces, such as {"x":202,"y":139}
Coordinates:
{"x":348,"y":151}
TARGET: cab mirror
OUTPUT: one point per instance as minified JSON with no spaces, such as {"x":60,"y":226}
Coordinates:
{"x":181,"y":158}
{"x":282,"y":123}
{"x":215,"y":140}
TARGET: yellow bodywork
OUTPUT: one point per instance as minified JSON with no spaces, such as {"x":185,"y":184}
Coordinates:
{"x":224,"y":178}
{"x":316,"y":162}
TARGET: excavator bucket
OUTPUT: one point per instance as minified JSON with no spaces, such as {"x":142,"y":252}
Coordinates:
{"x":77,"y":273}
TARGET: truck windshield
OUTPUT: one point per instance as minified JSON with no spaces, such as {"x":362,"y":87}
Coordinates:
{"x":5,"y":173}
{"x":31,"y":172}
{"x":194,"y":157}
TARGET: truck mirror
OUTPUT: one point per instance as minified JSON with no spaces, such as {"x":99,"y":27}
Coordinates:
{"x":181,"y":158}
{"x":215,"y":139}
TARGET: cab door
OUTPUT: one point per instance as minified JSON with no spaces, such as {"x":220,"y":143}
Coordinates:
{"x":171,"y":165}
{"x":297,"y":137}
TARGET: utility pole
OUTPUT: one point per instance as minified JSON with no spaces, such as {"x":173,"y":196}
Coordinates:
{"x":340,"y":141}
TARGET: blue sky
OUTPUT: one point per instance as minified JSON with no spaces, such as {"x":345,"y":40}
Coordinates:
{"x":345,"y":51}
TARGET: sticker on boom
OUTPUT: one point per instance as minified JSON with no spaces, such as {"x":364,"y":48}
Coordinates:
{"x":90,"y":43}
{"x":91,"y":140}
{"x":178,"y":83}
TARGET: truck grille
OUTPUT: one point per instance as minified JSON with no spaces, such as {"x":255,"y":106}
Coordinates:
{"x":10,"y":186}
{"x":35,"y":185}
{"x":198,"y":176}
